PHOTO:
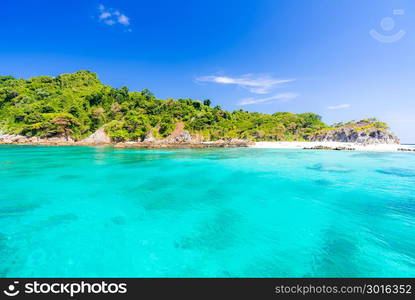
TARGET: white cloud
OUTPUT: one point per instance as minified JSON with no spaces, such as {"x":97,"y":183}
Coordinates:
{"x":111,"y":17}
{"x":255,"y":84}
{"x":124,"y":20}
{"x":340,"y":106}
{"x":109,"y":22}
{"x":277,"y":97}
{"x":104,"y":15}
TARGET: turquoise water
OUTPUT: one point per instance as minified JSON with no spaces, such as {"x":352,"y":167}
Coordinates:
{"x":84,"y":211}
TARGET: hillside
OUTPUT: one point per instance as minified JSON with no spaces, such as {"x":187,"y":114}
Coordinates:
{"x":76,"y":105}
{"x":369,"y":131}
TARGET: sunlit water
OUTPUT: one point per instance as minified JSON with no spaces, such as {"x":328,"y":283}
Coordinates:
{"x":80,"y":211}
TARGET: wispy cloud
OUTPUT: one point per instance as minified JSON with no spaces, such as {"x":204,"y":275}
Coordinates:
{"x":340,"y":106}
{"x":255,"y":84}
{"x":277,"y":97}
{"x":110,"y":16}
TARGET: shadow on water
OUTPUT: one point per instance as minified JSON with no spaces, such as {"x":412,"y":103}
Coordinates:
{"x":184,"y":191}
{"x":323,"y":182}
{"x":380,"y":155}
{"x":10,"y":211}
{"x":332,"y":168}
{"x":217,"y":233}
{"x":155,"y":198}
{"x":335,"y":255}
{"x":55,"y":220}
{"x":401,"y":172}
{"x":68,"y":177}
{"x":146,"y":160}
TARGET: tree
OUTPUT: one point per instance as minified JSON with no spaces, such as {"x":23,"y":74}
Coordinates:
{"x":207,"y":102}
{"x":147,"y":92}
{"x":61,"y":125}
{"x":197,"y":105}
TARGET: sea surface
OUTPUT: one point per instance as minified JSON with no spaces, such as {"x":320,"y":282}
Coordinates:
{"x":85,"y":211}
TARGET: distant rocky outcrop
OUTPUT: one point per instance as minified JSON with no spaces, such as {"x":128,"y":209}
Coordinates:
{"x":21,"y":139}
{"x":149,"y":138}
{"x":98,"y":137}
{"x":230,"y":143}
{"x":184,"y":137}
{"x":361,"y":132}
{"x":15,"y":138}
{"x":178,"y":136}
{"x":322,"y":147}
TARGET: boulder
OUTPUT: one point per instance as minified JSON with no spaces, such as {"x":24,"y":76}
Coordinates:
{"x":149,"y":138}
{"x":57,"y":139}
{"x":98,"y":137}
{"x":184,"y":137}
{"x":179,"y":135}
{"x":14,"y":138}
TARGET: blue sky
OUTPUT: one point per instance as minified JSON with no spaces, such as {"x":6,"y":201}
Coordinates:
{"x":342,"y":59}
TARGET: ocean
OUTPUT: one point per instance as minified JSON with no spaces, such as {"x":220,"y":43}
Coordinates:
{"x":105,"y":212}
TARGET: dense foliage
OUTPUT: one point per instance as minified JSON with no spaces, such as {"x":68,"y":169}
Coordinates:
{"x":77,"y":104}
{"x":366,"y":125}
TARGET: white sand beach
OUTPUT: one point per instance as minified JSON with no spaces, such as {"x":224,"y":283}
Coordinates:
{"x":333,"y":145}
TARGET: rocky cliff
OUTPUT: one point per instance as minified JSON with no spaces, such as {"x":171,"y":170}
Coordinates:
{"x":362,"y":132}
{"x":178,"y":136}
{"x":98,"y":137}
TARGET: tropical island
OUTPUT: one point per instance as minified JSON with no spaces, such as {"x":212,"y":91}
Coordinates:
{"x":77,"y":108}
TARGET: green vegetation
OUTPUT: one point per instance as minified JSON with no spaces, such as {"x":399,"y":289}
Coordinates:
{"x":78,"y":104}
{"x":364,"y":125}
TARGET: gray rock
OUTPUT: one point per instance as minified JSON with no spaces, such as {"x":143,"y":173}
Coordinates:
{"x":12,"y":138}
{"x":98,"y":137}
{"x":355,"y":135}
{"x":21,"y":139}
{"x":149,"y":138}
{"x":185,"y":137}
{"x":58,"y":139}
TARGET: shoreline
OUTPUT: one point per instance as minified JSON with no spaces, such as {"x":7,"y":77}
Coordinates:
{"x":341,"y":146}
{"x":138,"y":145}
{"x":345,"y":146}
